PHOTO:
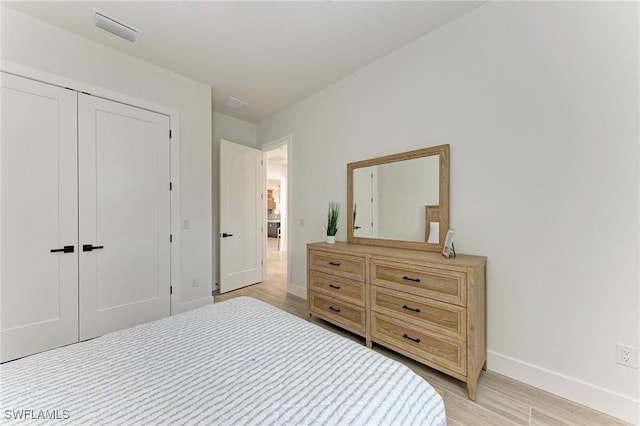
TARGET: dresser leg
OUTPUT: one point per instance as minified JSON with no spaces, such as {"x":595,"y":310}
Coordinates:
{"x":368,"y":343}
{"x":471,"y":388}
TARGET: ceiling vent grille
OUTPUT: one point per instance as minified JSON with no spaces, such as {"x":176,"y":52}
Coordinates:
{"x":234,"y":103}
{"x":118,"y":28}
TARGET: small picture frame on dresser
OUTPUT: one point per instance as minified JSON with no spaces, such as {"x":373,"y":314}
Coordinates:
{"x":448,"y":250}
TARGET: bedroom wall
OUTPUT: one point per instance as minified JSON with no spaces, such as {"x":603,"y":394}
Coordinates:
{"x":233,"y":130}
{"x":33,"y":43}
{"x":539,"y":102}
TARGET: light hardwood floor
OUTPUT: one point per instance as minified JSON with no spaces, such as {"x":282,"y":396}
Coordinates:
{"x":500,"y":400}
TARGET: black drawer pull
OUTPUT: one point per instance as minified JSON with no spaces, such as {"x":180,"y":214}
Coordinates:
{"x":334,"y":264}
{"x":65,"y":249}
{"x":334,"y":309}
{"x":91,"y":247}
{"x":411,"y":309}
{"x":411,"y":338}
{"x":337,"y":287}
{"x":415,"y":280}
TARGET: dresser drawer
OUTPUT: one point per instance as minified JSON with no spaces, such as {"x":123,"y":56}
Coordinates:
{"x":338,"y":287}
{"x":430,"y":348}
{"x":342,"y":265}
{"x":439,"y":284}
{"x":440,"y":317}
{"x":350,"y":316}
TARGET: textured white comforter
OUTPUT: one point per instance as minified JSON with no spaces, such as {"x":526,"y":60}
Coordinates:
{"x":237,"y":362}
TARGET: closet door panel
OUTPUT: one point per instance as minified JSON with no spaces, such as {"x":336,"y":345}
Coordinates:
{"x":124,"y":215}
{"x":38,"y":287}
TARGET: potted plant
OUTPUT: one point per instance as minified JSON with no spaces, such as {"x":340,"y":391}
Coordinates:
{"x":332,"y":221}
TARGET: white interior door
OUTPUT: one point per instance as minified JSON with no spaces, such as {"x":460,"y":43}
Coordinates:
{"x":242,"y":210}
{"x":38,"y":287}
{"x":124,"y":210}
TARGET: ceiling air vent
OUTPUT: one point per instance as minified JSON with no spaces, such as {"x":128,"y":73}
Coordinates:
{"x":234,"y":103}
{"x":118,"y":28}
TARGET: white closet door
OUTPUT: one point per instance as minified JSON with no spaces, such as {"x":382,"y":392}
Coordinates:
{"x":38,"y":287}
{"x":124,"y":210}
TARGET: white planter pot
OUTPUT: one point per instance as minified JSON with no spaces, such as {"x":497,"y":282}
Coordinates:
{"x":331,"y":239}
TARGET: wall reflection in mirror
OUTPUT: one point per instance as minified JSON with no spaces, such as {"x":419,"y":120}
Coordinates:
{"x":390,"y":200}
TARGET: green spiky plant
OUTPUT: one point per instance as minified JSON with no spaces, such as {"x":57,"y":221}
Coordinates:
{"x":332,"y":218}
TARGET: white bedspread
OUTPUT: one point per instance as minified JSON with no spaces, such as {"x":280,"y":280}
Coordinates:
{"x":237,"y":362}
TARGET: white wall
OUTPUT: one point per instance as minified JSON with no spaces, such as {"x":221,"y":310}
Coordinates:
{"x":539,"y":101}
{"x":32,"y":43}
{"x":233,"y":130}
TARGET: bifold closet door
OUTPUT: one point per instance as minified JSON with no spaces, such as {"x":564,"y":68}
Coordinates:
{"x":39,"y":253}
{"x":124,"y":211}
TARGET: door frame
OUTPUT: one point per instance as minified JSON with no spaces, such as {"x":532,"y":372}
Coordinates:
{"x":174,"y":157}
{"x":269,"y":146}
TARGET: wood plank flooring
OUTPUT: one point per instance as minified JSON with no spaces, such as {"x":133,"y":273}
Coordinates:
{"x":500,"y":400}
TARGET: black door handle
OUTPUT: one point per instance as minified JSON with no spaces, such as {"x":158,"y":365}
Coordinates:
{"x":225,"y":235}
{"x":358,"y":227}
{"x":91,"y":247}
{"x":65,"y":249}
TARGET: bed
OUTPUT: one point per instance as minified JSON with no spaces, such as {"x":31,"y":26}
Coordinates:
{"x":241,"y":361}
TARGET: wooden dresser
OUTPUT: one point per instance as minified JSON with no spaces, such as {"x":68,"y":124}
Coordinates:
{"x":417,"y":303}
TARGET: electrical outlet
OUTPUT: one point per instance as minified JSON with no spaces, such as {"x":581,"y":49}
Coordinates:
{"x":186,"y":224}
{"x":627,"y":355}
{"x":195,"y":282}
{"x":302,"y":221}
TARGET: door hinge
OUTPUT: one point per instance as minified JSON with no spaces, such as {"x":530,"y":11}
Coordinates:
{"x":262,"y":262}
{"x":262,"y":196}
{"x":261,"y":163}
{"x":169,"y":133}
{"x":171,"y":289}
{"x":170,"y":186}
{"x":170,"y":238}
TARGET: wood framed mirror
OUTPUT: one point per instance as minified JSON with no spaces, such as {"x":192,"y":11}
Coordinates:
{"x":400,"y":200}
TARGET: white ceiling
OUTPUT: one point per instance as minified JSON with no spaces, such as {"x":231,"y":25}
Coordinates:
{"x":268,"y":54}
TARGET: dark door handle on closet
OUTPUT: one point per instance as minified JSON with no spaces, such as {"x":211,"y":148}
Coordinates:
{"x":91,"y":247}
{"x":65,"y":249}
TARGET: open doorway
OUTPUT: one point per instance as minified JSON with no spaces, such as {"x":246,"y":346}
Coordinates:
{"x":276,"y":161}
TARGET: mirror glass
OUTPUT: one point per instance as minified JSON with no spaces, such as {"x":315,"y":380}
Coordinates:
{"x":400,"y":200}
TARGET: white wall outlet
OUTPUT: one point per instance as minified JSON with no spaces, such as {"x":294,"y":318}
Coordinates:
{"x":302,"y":221}
{"x":627,"y":355}
{"x":195,"y":282}
{"x":186,"y":224}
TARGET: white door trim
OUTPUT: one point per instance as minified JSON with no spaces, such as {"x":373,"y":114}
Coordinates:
{"x":34,"y":74}
{"x":291,"y":287}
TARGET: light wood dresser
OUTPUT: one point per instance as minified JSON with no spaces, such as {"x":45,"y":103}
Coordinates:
{"x":417,"y":303}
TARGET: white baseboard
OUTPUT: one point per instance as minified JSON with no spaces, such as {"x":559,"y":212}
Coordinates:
{"x":614,"y":404}
{"x":193,"y":304}
{"x":297,"y":290}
